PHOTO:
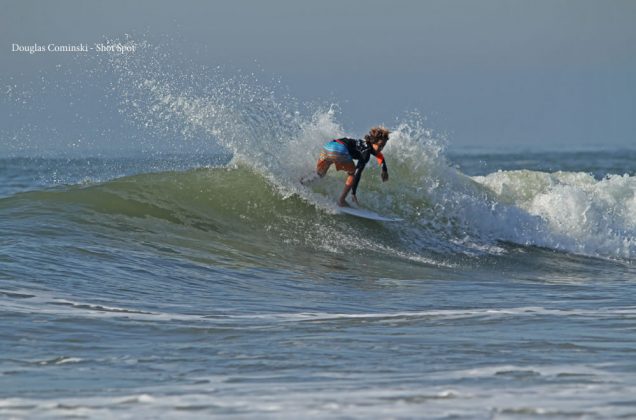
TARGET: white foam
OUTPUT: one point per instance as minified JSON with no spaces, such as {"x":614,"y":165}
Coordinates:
{"x":584,"y":215}
{"x":46,"y":303}
{"x":363,"y":395}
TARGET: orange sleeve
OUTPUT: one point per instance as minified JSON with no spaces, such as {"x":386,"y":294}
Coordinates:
{"x":380,"y":157}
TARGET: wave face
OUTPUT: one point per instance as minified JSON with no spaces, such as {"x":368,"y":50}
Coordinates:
{"x":446,"y":212}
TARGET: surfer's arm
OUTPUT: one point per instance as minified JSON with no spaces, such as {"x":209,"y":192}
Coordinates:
{"x":385,"y":172}
{"x":357,"y":175}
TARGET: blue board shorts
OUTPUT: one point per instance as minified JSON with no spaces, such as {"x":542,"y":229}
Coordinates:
{"x":335,"y":153}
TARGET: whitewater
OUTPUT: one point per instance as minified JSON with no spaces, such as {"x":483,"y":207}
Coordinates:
{"x":195,"y":277}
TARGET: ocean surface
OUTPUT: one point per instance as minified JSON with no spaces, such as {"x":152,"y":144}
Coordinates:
{"x":193,"y":276}
{"x":191,"y":287}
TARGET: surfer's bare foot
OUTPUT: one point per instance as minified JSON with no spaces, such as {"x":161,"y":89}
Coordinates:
{"x":308,"y":179}
{"x":343,"y":203}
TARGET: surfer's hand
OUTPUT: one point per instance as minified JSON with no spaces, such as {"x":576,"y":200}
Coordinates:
{"x":355,"y":199}
{"x":384,"y":175}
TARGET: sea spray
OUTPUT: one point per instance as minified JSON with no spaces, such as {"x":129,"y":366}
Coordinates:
{"x":444,"y":208}
{"x":596,"y":216}
{"x":198,"y":112}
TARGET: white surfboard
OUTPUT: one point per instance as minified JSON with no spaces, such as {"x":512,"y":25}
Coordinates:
{"x":367,"y":214}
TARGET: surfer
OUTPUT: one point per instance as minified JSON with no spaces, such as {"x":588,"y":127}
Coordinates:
{"x":341,"y":152}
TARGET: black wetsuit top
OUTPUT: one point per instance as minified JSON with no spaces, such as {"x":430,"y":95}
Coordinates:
{"x":361,"y":151}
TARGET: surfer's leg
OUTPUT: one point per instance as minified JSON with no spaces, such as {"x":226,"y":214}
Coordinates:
{"x":323,"y":166}
{"x":347,"y":166}
{"x":342,"y":200}
{"x":350,"y":168}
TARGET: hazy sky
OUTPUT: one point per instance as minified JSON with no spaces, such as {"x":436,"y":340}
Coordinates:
{"x":491,"y":73}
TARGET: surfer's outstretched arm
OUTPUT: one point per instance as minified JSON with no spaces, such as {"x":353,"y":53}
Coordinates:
{"x":380,"y":157}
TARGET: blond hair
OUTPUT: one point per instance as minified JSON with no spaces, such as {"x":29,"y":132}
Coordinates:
{"x":377,"y":134}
